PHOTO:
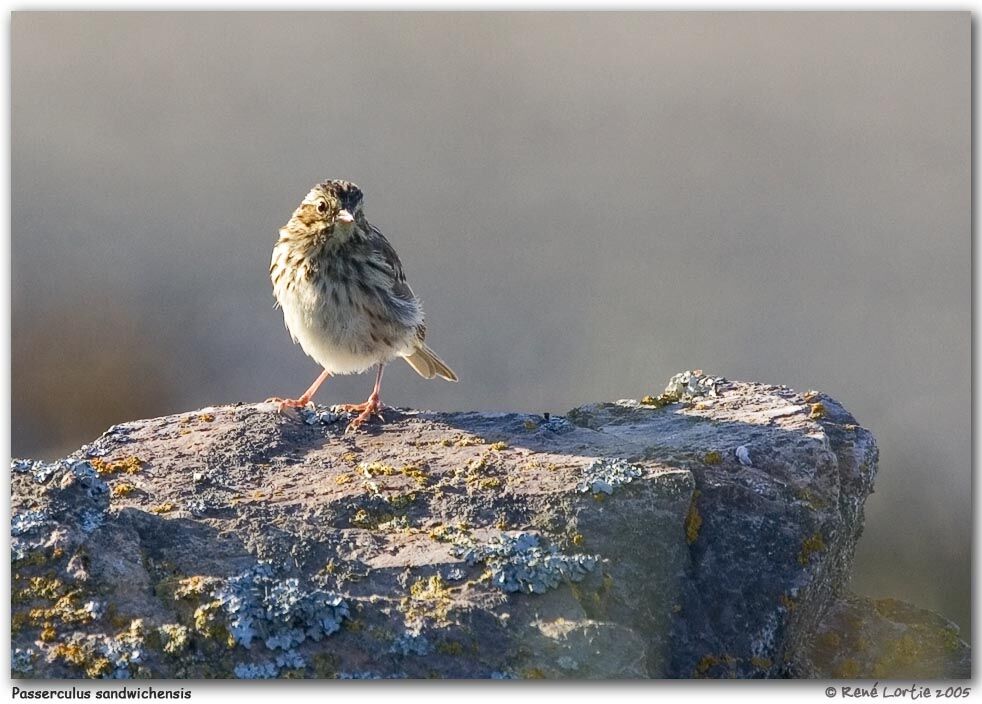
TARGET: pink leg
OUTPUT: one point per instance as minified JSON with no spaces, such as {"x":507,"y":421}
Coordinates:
{"x":307,"y":395}
{"x":370,"y":408}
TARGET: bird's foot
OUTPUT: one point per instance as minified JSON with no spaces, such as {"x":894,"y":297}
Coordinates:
{"x":285,"y":403}
{"x":371,"y":407}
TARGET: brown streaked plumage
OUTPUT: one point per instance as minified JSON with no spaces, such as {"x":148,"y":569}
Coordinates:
{"x":344,"y":294}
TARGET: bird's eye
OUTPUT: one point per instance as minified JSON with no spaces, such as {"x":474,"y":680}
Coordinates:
{"x":321,"y":207}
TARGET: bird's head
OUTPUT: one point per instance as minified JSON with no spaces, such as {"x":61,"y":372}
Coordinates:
{"x":331,"y":211}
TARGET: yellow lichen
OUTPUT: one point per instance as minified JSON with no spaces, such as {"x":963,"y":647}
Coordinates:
{"x":469,"y":441}
{"x":126,"y":465}
{"x":207,"y":623}
{"x":811,"y":546}
{"x":41,"y":588}
{"x":206,"y":417}
{"x":761,"y":663}
{"x":193,"y":586}
{"x":416,"y":473}
{"x":48,"y":633}
{"x":343,"y":478}
{"x":401,"y":501}
{"x":174,"y":637}
{"x":817,"y":410}
{"x":82,"y":656}
{"x":376,"y":469}
{"x":70,"y":653}
{"x":449,"y":533}
{"x":658,"y":401}
{"x":428,"y":597}
{"x":122,"y":489}
{"x":712,"y":457}
{"x":361,"y":519}
{"x":478,"y":464}
{"x":787,"y":602}
{"x":693,"y":519}
{"x":350,"y":457}
{"x":98,"y":668}
{"x":498,"y":446}
{"x":577,"y":539}
{"x":165,"y":507}
{"x":533,"y":673}
{"x":65,"y":610}
{"x":530,"y":425}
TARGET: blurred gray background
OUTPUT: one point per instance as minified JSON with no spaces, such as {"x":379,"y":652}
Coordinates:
{"x":586,"y":204}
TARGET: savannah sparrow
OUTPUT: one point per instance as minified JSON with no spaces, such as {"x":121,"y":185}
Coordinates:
{"x":344,"y":295}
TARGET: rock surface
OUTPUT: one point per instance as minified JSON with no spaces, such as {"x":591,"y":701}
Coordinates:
{"x":703,"y":533}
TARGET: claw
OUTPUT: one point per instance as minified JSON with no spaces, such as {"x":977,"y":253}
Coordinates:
{"x":285,"y":403}
{"x":371,"y":407}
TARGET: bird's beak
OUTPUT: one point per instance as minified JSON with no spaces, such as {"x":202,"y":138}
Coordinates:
{"x":345,"y":216}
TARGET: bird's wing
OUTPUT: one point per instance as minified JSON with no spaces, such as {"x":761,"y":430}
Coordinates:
{"x":400,"y":287}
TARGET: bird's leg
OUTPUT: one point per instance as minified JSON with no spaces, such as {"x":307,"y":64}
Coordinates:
{"x":370,"y":408}
{"x":303,"y":400}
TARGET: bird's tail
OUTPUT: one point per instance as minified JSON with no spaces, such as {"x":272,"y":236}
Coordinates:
{"x":428,"y":365}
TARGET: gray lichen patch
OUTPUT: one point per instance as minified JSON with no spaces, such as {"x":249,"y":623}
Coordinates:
{"x":278,"y":611}
{"x":39,"y":470}
{"x":26,"y":532}
{"x":686,"y":386}
{"x":518,"y":563}
{"x":606,"y":474}
{"x":322,"y":415}
{"x":269,"y":669}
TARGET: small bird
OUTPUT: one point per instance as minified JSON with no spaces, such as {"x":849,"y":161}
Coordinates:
{"x":344,"y":295}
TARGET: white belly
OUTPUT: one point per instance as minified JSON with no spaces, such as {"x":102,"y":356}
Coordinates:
{"x":335,"y":336}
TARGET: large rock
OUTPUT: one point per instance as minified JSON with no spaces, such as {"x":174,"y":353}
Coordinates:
{"x":888,"y":640}
{"x":703,"y":533}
